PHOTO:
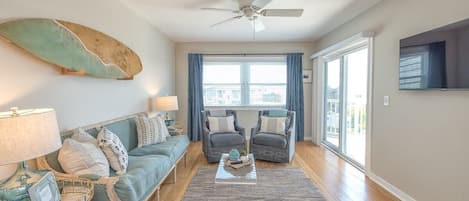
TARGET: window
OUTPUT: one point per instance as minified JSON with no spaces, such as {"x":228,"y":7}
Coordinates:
{"x":244,"y":82}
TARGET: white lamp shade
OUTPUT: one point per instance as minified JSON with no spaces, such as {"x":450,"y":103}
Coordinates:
{"x":166,"y":103}
{"x":28,"y":135}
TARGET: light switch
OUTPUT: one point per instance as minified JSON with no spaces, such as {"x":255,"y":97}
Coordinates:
{"x":386,"y":101}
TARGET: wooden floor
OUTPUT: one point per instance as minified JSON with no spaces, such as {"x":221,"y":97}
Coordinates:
{"x":336,"y":179}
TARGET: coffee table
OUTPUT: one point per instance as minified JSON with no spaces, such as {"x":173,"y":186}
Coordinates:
{"x":229,"y":175}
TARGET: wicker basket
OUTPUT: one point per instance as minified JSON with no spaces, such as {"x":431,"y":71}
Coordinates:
{"x":75,"y":189}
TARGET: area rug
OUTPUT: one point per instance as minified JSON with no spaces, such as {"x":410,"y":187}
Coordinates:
{"x":272,"y":184}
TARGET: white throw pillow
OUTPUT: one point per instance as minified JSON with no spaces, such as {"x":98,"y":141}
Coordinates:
{"x":149,"y":131}
{"x":162,"y":126}
{"x":114,"y":151}
{"x":82,"y":158}
{"x":274,"y":125}
{"x":221,"y":124}
{"x":81,"y":135}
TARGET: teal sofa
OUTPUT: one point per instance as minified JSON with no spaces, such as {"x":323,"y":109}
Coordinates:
{"x":149,"y":166}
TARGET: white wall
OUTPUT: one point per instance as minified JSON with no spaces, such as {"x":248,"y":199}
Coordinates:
{"x":248,"y":118}
{"x":28,"y":82}
{"x":419,"y":142}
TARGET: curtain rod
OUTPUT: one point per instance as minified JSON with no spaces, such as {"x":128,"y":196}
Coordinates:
{"x":250,"y":54}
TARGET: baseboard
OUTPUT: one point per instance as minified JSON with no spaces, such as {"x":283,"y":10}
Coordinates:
{"x":389,"y":187}
{"x":308,"y":138}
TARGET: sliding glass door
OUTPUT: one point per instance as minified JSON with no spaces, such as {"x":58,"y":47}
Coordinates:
{"x":345,"y":98}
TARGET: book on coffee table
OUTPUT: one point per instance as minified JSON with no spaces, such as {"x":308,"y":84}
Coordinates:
{"x":238,"y":165}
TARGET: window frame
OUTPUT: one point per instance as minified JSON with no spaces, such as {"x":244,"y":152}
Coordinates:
{"x":245,"y":84}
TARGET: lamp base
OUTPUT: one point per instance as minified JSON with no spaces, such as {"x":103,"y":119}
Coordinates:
{"x":16,"y":187}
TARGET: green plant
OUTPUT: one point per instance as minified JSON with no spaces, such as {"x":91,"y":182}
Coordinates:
{"x":243,"y":152}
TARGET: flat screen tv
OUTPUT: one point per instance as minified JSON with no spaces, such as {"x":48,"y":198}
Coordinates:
{"x":437,"y":59}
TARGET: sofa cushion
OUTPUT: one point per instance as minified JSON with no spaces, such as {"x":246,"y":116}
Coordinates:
{"x":272,"y":140}
{"x":226,"y":139}
{"x":143,"y":174}
{"x":173,"y":148}
{"x":126,"y":130}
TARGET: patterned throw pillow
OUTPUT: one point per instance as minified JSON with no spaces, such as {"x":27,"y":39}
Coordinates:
{"x":114,"y":150}
{"x":274,"y":125}
{"x":221,"y":124}
{"x":150,"y":131}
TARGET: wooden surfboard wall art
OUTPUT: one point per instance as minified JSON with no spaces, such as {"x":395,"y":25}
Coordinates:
{"x":76,"y":49}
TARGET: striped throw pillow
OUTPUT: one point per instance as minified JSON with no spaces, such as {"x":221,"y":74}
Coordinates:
{"x":274,"y":125}
{"x":149,"y":131}
{"x":221,"y":124}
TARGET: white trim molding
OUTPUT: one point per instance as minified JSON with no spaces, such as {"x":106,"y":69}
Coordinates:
{"x":344,"y":43}
{"x":401,"y":195}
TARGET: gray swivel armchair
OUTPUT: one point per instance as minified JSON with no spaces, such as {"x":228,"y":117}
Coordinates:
{"x":216,"y":143}
{"x":274,"y":147}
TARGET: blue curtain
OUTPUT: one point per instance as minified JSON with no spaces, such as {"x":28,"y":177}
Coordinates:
{"x":295,"y":100}
{"x":196,"y":101}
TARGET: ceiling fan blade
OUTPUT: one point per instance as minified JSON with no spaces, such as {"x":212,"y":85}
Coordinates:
{"x":227,"y":20}
{"x":282,"y":12}
{"x":257,"y":25}
{"x":260,"y":4}
{"x":221,"y":10}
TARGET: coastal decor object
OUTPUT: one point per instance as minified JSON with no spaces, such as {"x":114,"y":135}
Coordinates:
{"x":76,"y":49}
{"x":234,"y":155}
{"x":307,"y":76}
{"x":45,"y":189}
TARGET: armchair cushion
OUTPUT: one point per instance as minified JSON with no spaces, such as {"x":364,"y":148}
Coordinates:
{"x":273,"y":125}
{"x":221,"y":124}
{"x":270,"y":139}
{"x":226,"y":139}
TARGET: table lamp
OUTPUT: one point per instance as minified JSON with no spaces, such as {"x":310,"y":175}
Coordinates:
{"x":166,"y":104}
{"x":25,"y":135}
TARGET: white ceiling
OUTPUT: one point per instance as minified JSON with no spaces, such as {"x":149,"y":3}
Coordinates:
{"x":183,"y":21}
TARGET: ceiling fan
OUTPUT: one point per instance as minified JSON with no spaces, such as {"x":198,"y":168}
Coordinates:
{"x":253,"y":10}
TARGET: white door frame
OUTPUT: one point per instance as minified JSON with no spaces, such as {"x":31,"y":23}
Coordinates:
{"x":318,"y":90}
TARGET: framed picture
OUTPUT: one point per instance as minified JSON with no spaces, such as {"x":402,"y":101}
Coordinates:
{"x":45,"y":189}
{"x":307,"y":76}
